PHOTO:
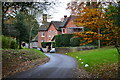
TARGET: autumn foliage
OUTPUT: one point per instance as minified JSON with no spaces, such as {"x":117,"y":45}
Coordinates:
{"x":98,"y":24}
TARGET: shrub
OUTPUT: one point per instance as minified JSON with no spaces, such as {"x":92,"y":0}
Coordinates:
{"x":75,"y":42}
{"x":13,"y":45}
{"x":63,"y":40}
{"x":8,"y":42}
{"x":43,"y":44}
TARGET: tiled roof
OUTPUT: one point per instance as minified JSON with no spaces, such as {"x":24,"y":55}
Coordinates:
{"x":64,"y":22}
{"x":44,"y":27}
{"x":56,"y":24}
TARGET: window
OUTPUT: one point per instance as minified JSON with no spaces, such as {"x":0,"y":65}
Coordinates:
{"x":63,"y":31}
{"x":55,"y":32}
{"x":43,"y":34}
{"x":42,"y":40}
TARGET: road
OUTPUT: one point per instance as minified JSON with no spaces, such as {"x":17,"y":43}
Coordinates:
{"x":59,"y":66}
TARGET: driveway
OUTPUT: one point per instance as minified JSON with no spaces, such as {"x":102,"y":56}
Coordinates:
{"x":59,"y":66}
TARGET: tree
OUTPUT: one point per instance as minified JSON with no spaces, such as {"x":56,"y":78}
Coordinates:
{"x":11,"y":9}
{"x":93,"y":19}
{"x":21,"y":28}
{"x":114,"y":14}
{"x":91,"y":15}
{"x":32,"y":24}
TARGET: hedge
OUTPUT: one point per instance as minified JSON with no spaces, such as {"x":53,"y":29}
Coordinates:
{"x":8,"y":43}
{"x":74,"y":42}
{"x":63,"y":40}
{"x":44,"y":44}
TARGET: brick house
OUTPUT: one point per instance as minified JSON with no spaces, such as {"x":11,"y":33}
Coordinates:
{"x":48,"y":30}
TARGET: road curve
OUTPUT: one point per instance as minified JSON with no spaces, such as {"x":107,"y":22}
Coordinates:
{"x":59,"y":66}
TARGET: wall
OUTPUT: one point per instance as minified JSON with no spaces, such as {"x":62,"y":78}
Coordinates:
{"x":40,"y":38}
{"x":52,"y":32}
{"x":34,"y":44}
{"x":72,"y":49}
{"x":70,"y":24}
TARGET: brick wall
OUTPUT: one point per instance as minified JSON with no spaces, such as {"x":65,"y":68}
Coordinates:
{"x":69,"y":24}
{"x":40,"y":37}
{"x":52,"y":32}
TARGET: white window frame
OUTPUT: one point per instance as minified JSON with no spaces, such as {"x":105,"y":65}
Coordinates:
{"x":43,"y":34}
{"x":63,"y":30}
{"x":49,"y":32}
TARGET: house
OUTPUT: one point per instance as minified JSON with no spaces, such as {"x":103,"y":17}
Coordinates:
{"x":48,"y":30}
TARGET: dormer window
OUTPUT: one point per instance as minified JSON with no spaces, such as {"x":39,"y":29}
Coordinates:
{"x":43,"y":34}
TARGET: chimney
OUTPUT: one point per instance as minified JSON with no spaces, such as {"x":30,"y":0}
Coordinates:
{"x":44,"y":18}
{"x":65,"y":16}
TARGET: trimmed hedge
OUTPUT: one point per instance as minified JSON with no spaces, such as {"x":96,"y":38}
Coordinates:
{"x":63,"y":40}
{"x":8,"y":43}
{"x":74,"y":42}
{"x":44,"y":44}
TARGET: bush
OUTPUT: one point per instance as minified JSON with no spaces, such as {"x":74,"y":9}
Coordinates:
{"x":63,"y":40}
{"x":75,"y":42}
{"x":44,"y":44}
{"x":8,"y":42}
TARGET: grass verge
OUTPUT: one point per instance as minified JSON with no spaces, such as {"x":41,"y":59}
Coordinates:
{"x":101,"y":63}
{"x":19,"y":60}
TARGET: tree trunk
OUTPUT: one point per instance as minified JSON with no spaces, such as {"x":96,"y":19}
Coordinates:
{"x":20,"y":44}
{"x":29,"y":39}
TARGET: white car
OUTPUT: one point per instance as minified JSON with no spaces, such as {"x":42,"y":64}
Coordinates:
{"x":52,"y":50}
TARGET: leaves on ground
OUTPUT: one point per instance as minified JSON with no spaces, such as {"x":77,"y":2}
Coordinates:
{"x":20,"y":60}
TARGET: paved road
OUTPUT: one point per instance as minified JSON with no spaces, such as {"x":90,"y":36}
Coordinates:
{"x":59,"y":66}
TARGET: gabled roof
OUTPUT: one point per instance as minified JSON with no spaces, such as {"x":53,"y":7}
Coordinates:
{"x":56,"y":24}
{"x":66,"y":21}
{"x":44,"y":27}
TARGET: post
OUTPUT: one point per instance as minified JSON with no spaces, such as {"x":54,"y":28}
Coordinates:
{"x":1,"y":40}
{"x":99,"y":39}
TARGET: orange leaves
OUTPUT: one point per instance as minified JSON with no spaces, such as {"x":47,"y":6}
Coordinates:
{"x":91,"y":18}
{"x":88,"y":37}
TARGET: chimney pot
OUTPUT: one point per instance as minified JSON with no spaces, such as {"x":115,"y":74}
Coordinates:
{"x":44,"y":18}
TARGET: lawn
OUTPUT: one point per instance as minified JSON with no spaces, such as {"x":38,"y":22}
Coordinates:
{"x":99,"y":62}
{"x":17,"y":60}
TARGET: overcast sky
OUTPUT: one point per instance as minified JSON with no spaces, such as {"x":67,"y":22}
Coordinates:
{"x":58,"y":12}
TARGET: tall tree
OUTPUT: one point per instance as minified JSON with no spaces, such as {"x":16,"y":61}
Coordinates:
{"x":94,"y":20}
{"x":11,"y":9}
{"x":114,"y":14}
{"x":21,"y":28}
{"x":89,"y":18}
{"x":32,"y":24}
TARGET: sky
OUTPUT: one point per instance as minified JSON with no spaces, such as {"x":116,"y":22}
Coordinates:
{"x":59,"y":11}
